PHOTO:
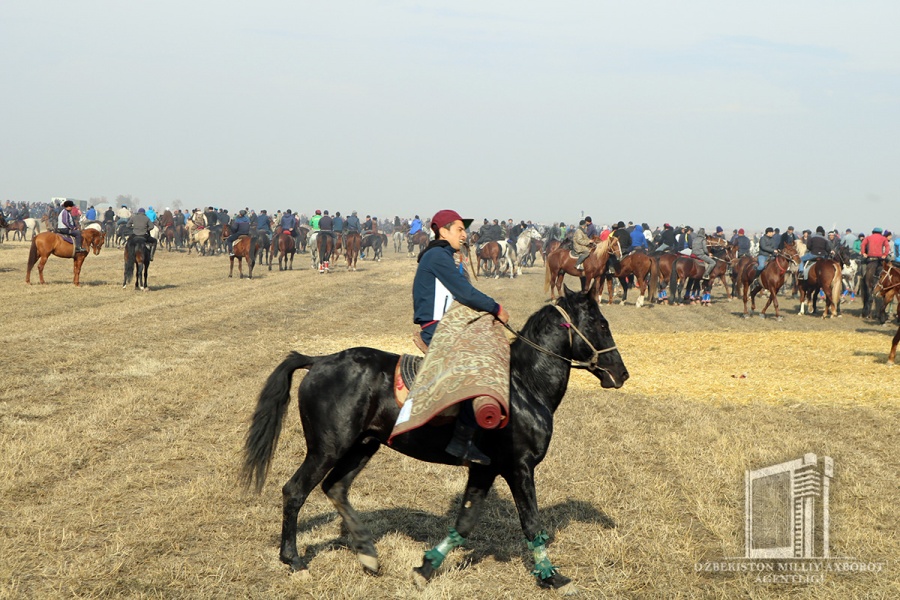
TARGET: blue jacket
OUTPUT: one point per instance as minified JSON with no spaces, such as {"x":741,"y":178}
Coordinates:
{"x":337,"y":224}
{"x":352,"y":223}
{"x":91,"y":214}
{"x":288,"y":222}
{"x":262,"y":223}
{"x":439,"y":281}
{"x":415,"y":226}
{"x":638,"y":240}
{"x":240,"y":226}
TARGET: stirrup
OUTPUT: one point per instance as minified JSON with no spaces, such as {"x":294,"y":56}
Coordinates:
{"x":463,"y":447}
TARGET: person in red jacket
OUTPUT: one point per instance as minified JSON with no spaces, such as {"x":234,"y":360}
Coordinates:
{"x":875,"y":245}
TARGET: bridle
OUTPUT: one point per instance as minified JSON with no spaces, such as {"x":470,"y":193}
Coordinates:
{"x":885,"y":274}
{"x":592,"y":363}
{"x":790,"y":259}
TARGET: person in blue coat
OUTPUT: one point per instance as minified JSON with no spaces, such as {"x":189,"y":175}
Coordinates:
{"x":438,"y":282}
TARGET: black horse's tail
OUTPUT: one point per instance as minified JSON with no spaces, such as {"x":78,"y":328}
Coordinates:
{"x":259,"y":449}
{"x":129,"y":262}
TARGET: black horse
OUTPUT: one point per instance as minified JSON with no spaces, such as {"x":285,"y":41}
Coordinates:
{"x":872,"y":305}
{"x":137,"y":262}
{"x":375,"y":242}
{"x":348,"y":410}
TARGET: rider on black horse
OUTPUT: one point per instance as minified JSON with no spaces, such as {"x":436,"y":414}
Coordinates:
{"x":438,"y":282}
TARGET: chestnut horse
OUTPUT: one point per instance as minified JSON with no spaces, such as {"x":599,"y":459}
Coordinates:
{"x":488,"y":255}
{"x":352,"y":242}
{"x":771,"y":278}
{"x":420,"y":239}
{"x":888,"y":284}
{"x":244,"y":248}
{"x":47,"y":243}
{"x":324,"y":247}
{"x":824,"y":274}
{"x":561,"y":262}
{"x":282,"y":246}
{"x":639,"y":264}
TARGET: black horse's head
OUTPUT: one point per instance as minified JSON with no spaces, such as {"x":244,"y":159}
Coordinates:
{"x":597,"y":349}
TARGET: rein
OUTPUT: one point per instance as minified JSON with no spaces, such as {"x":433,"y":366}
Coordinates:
{"x":885,"y":274}
{"x":568,"y":324}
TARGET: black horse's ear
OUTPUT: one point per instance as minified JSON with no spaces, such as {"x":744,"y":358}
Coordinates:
{"x":569,"y":293}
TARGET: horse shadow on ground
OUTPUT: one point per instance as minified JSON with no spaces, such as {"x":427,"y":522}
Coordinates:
{"x":498,"y":514}
{"x":887,"y":329}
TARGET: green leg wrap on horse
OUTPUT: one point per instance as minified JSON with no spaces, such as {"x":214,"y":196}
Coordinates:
{"x":543,"y":568}
{"x":437,"y":554}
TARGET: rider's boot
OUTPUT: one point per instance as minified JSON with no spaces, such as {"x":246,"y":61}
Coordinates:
{"x":463,"y":446}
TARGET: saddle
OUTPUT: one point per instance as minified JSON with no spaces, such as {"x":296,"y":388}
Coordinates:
{"x":405,"y":375}
{"x":66,"y":238}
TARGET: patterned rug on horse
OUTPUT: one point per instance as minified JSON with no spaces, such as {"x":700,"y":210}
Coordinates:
{"x":468,"y":359}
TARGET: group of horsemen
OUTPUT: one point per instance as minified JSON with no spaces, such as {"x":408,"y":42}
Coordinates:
{"x":877,"y":246}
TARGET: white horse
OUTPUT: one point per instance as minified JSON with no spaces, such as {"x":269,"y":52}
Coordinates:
{"x":313,"y":246}
{"x":399,"y":238}
{"x":510,"y":261}
{"x":32,"y":225}
{"x":523,"y":244}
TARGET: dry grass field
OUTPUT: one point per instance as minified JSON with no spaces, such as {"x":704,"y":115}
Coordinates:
{"x":123,"y":414}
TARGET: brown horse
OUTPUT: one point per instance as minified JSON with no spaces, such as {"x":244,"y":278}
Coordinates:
{"x":689,"y":272}
{"x":282,"y":247}
{"x":324,"y":247}
{"x":168,"y":237}
{"x":17,"y":228}
{"x":47,"y":243}
{"x":771,"y":278}
{"x":352,"y":243}
{"x":888,"y":284}
{"x":547,"y":248}
{"x":894,"y":343}
{"x":420,"y":239}
{"x":640,"y":265}
{"x":664,"y":264}
{"x":737,"y":268}
{"x":561,"y":262}
{"x":244,"y":248}
{"x":824,"y":274}
{"x":488,"y":256}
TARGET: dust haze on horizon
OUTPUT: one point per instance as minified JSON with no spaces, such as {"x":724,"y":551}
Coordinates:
{"x":708,"y":113}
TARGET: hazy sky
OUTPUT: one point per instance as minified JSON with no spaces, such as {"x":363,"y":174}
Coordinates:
{"x":732,"y":113}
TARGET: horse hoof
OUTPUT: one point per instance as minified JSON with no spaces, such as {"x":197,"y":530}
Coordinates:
{"x":422,"y":575}
{"x":557,"y":581}
{"x":369,"y":563}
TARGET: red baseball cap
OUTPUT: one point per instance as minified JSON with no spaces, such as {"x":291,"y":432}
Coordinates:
{"x":442,"y":218}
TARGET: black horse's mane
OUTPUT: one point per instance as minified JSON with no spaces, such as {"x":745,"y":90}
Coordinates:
{"x":541,"y":371}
